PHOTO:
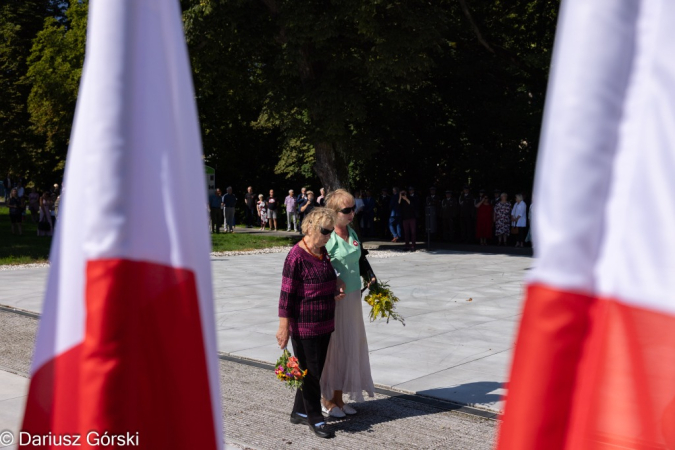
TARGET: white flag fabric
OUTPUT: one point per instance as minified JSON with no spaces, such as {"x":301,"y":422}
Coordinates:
{"x":594,"y":366}
{"x":127,"y":343}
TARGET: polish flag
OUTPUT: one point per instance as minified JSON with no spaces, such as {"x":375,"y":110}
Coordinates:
{"x":594,"y":365}
{"x":126,"y":344}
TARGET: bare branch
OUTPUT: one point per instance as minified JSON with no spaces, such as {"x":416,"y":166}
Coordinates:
{"x":476,"y":30}
{"x":496,"y":50}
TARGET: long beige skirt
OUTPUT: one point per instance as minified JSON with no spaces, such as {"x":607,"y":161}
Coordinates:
{"x":347,"y":366}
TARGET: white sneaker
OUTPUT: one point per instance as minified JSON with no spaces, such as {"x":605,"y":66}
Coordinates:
{"x":348,"y":409}
{"x":334,"y":411}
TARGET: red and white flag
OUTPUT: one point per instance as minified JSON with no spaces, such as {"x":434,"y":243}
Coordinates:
{"x":126,"y":344}
{"x":594,"y":365}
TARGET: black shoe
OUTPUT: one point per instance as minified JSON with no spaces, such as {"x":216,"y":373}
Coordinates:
{"x":296,"y":419}
{"x":322,"y":431}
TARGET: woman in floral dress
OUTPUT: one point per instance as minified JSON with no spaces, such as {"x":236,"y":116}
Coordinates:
{"x":262,"y":212}
{"x":502,"y":212}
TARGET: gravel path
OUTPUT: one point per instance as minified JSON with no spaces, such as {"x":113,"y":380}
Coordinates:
{"x":256,"y":409}
{"x":17,"y":335}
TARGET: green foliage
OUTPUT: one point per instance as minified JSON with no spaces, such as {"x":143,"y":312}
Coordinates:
{"x":229,"y":94}
{"x":54,"y":71}
{"x":20,"y":21}
{"x":308,"y":71}
{"x":425,"y":93}
{"x":364,"y":93}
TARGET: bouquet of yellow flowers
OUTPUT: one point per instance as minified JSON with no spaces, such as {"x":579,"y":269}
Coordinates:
{"x":382,"y":301}
{"x":288,"y":370}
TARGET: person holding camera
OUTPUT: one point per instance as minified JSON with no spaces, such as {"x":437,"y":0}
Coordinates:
{"x":409,"y":217}
{"x":395,"y":216}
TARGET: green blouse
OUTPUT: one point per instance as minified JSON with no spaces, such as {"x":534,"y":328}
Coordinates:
{"x":345,"y":258}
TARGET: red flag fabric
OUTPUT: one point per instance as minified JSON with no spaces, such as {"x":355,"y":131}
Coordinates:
{"x":594,"y":365}
{"x":126,"y":351}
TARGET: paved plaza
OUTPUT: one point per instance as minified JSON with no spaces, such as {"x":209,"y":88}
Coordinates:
{"x":256,"y":408}
{"x":461,"y":311}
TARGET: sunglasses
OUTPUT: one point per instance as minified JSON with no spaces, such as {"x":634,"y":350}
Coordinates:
{"x":348,"y":210}
{"x":325,"y":231}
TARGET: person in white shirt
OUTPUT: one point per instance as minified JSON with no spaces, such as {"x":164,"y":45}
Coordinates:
{"x":519,"y":219}
{"x":321,"y":199}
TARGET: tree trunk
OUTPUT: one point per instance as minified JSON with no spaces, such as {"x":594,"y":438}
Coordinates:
{"x":326,"y":167}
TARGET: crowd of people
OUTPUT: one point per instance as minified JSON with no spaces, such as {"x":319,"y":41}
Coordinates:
{"x":399,"y":215}
{"x":465,"y":218}
{"x":264,"y":212}
{"x":43,"y":207}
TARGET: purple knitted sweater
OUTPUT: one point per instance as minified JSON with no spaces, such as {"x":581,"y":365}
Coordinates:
{"x":308,"y":294}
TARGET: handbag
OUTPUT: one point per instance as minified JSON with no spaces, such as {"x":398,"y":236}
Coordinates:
{"x":514,"y":230}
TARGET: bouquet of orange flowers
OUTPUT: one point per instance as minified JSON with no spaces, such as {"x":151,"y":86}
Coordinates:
{"x":288,"y":370}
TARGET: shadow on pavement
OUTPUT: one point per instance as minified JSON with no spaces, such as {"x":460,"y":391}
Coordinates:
{"x":445,"y":247}
{"x":478,"y":392}
{"x":381,"y":410}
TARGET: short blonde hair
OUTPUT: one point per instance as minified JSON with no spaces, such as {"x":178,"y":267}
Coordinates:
{"x":309,"y":192}
{"x":337,"y":198}
{"x":318,"y":217}
{"x":261,"y":196}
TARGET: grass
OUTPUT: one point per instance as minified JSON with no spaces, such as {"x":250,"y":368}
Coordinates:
{"x":29,"y":248}
{"x":243,"y":241}
{"x":24,"y":249}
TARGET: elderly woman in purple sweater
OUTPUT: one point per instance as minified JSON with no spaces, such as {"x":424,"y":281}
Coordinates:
{"x":309,"y":290}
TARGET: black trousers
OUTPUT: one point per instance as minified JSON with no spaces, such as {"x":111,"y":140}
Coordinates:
{"x":447,"y":228}
{"x":522,"y":234}
{"x":467,"y":229}
{"x":250,"y":216}
{"x":311,"y":354}
{"x":216,"y":219}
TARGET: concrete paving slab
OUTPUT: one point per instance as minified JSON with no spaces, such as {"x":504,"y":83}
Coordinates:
{"x":12,"y":385}
{"x":235,"y":340}
{"x":13,"y":392}
{"x":442,"y":329}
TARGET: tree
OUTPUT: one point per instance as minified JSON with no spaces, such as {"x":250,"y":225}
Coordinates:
{"x":476,"y":119}
{"x":54,"y":72}
{"x":20,"y":21}
{"x":316,"y":67}
{"x":351,"y":93}
{"x":369,"y":92}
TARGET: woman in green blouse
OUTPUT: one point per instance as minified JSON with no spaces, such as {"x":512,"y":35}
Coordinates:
{"x":347,"y":367}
